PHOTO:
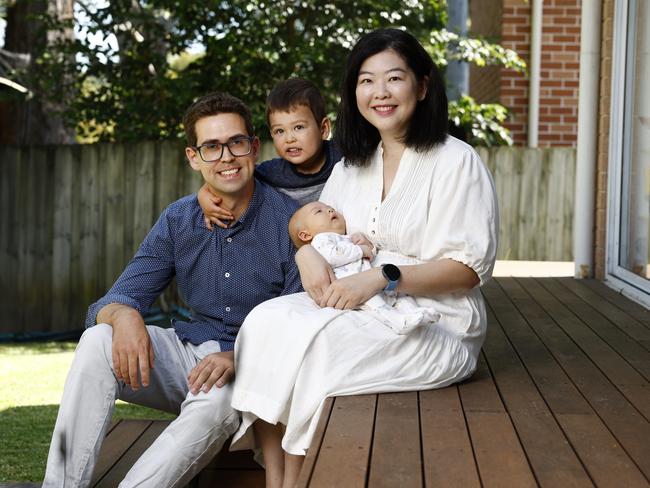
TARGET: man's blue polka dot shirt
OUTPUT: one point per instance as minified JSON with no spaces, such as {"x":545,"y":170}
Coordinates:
{"x":221,"y":274}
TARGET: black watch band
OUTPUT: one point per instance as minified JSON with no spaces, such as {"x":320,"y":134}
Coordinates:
{"x":392,"y":275}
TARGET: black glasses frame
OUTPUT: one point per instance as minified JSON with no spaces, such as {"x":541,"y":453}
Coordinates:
{"x":250,"y":140}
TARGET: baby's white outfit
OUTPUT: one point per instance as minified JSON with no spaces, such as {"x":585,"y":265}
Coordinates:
{"x":399,"y":312}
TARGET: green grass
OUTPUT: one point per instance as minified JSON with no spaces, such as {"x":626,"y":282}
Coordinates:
{"x":30,"y":391}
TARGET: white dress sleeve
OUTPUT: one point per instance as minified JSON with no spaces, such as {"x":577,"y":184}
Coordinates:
{"x":463,"y":220}
{"x":338,"y":250}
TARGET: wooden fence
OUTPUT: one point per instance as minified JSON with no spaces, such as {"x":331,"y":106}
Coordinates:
{"x":71,"y":217}
{"x":535,"y":188}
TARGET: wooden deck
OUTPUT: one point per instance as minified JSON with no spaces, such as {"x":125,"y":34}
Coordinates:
{"x":561,"y":398}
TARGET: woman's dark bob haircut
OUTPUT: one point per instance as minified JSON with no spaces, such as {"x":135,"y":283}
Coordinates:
{"x":354,"y":135}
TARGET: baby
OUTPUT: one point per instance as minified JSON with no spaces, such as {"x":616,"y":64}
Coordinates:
{"x":324,"y":228}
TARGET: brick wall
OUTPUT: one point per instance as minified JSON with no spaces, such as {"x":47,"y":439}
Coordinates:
{"x":604,"y":110}
{"x":560,"y":67}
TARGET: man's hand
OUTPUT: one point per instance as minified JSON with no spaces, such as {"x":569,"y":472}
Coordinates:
{"x":216,"y":368}
{"x":132,"y":349}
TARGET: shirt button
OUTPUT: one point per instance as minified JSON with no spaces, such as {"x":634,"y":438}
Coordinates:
{"x":229,"y":239}
{"x":372,"y":232}
{"x":373,"y":220}
{"x":227,"y":309}
{"x":227,"y":275}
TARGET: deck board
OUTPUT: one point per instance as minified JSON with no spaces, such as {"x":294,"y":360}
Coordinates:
{"x":615,"y":298}
{"x":500,"y":457}
{"x":447,"y":454}
{"x":561,"y":397}
{"x":345,"y":450}
{"x":397,"y":424}
{"x":611,"y":333}
{"x":533,"y":419}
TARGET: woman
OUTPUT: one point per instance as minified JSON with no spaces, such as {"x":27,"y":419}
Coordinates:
{"x":428,"y":203}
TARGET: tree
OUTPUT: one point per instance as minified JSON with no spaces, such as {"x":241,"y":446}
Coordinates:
{"x":27,"y":114}
{"x":139,"y":63}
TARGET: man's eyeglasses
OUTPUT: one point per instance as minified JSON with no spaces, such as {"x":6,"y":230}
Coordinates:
{"x":213,"y":151}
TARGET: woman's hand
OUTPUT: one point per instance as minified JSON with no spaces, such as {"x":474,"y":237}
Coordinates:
{"x":315,"y":274}
{"x":212,"y":212}
{"x":350,"y":292}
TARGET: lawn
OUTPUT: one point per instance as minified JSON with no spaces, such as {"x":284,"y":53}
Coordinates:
{"x":32,"y":381}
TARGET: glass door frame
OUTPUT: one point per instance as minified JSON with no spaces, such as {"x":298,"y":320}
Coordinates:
{"x":620,"y":139}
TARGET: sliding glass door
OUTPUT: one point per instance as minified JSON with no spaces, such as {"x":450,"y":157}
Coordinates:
{"x":628,"y":254}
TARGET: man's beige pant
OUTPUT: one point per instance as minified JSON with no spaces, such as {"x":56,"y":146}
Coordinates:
{"x":204,"y":422}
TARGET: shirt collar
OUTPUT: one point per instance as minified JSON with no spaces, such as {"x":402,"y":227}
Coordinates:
{"x":246,"y":217}
{"x":254,"y":205}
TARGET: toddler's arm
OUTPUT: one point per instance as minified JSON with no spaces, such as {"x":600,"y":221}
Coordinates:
{"x":212,"y":212}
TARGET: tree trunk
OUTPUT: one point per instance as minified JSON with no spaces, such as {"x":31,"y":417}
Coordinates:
{"x":31,"y":120}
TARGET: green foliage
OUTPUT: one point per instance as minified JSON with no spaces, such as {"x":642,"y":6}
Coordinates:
{"x":480,"y":122}
{"x":139,"y":64}
{"x":446,"y":46}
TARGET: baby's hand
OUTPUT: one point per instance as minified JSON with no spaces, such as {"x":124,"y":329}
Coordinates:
{"x":364,"y":243}
{"x":212,"y":212}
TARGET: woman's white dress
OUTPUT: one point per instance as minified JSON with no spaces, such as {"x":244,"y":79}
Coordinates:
{"x":291,"y":354}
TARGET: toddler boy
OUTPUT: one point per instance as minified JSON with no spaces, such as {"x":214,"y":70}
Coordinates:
{"x":295,"y":113}
{"x":324,"y":228}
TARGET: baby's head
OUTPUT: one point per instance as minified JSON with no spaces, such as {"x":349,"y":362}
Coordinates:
{"x":295,"y":112}
{"x":312,"y":219}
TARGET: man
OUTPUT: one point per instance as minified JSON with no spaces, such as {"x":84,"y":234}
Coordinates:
{"x":222,"y":274}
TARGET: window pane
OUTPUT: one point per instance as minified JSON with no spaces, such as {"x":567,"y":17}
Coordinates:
{"x":635,"y":198}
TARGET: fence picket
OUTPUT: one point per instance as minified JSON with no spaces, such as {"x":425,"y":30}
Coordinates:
{"x":61,"y":241}
{"x":10,"y":226}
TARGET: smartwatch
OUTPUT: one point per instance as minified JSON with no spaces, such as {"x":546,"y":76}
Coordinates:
{"x":392,"y":275}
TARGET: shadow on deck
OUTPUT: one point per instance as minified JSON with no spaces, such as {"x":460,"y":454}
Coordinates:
{"x":561,"y":398}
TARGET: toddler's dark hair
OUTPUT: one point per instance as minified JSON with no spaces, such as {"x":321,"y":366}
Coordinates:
{"x":292,"y":92}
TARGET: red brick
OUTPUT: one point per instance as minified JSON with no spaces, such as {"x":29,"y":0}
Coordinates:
{"x":563,"y":93}
{"x":550,"y":137}
{"x":567,"y":39}
{"x":550,"y":119}
{"x":563,"y":74}
{"x":565,"y":56}
{"x":549,"y":101}
{"x":562,"y":110}
{"x":566,"y":20}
